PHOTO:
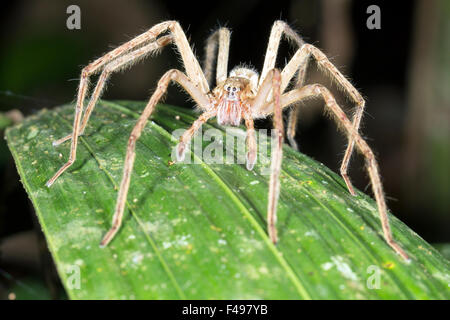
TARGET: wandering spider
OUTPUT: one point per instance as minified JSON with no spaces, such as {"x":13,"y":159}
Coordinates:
{"x":241,"y":95}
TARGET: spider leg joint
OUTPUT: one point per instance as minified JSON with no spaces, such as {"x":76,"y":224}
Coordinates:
{"x":181,"y":151}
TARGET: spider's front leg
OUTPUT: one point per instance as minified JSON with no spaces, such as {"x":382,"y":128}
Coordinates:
{"x":344,"y":123}
{"x":185,"y":139}
{"x":272,"y":84}
{"x":199,"y":97}
{"x":277,"y":157}
{"x":251,"y":140}
{"x":193,"y":70}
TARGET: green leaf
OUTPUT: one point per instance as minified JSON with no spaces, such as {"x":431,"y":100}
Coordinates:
{"x":198,"y":231}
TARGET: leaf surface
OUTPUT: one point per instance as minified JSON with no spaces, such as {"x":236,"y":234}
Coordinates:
{"x":198,"y":231}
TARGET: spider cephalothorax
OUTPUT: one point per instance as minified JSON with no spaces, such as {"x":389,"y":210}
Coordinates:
{"x":234,"y":96}
{"x":241,"y":95}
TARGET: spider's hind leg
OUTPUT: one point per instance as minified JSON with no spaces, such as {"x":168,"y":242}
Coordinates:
{"x":294,"y":113}
{"x":221,"y":39}
{"x":114,"y":66}
{"x":349,"y":129}
{"x":299,"y":62}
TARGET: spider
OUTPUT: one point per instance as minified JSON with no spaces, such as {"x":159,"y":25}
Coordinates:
{"x":241,"y":95}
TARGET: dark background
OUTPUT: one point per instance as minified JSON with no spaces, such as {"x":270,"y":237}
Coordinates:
{"x":402,"y":69}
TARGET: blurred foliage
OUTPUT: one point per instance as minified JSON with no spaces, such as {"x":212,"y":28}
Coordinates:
{"x":444,"y":249}
{"x":5,"y":121}
{"x":426,"y":173}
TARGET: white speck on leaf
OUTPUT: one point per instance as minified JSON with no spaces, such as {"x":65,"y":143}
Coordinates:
{"x":312,"y":234}
{"x":344,"y":268}
{"x":79,"y":262}
{"x":137,"y":257}
{"x":327,"y":266}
